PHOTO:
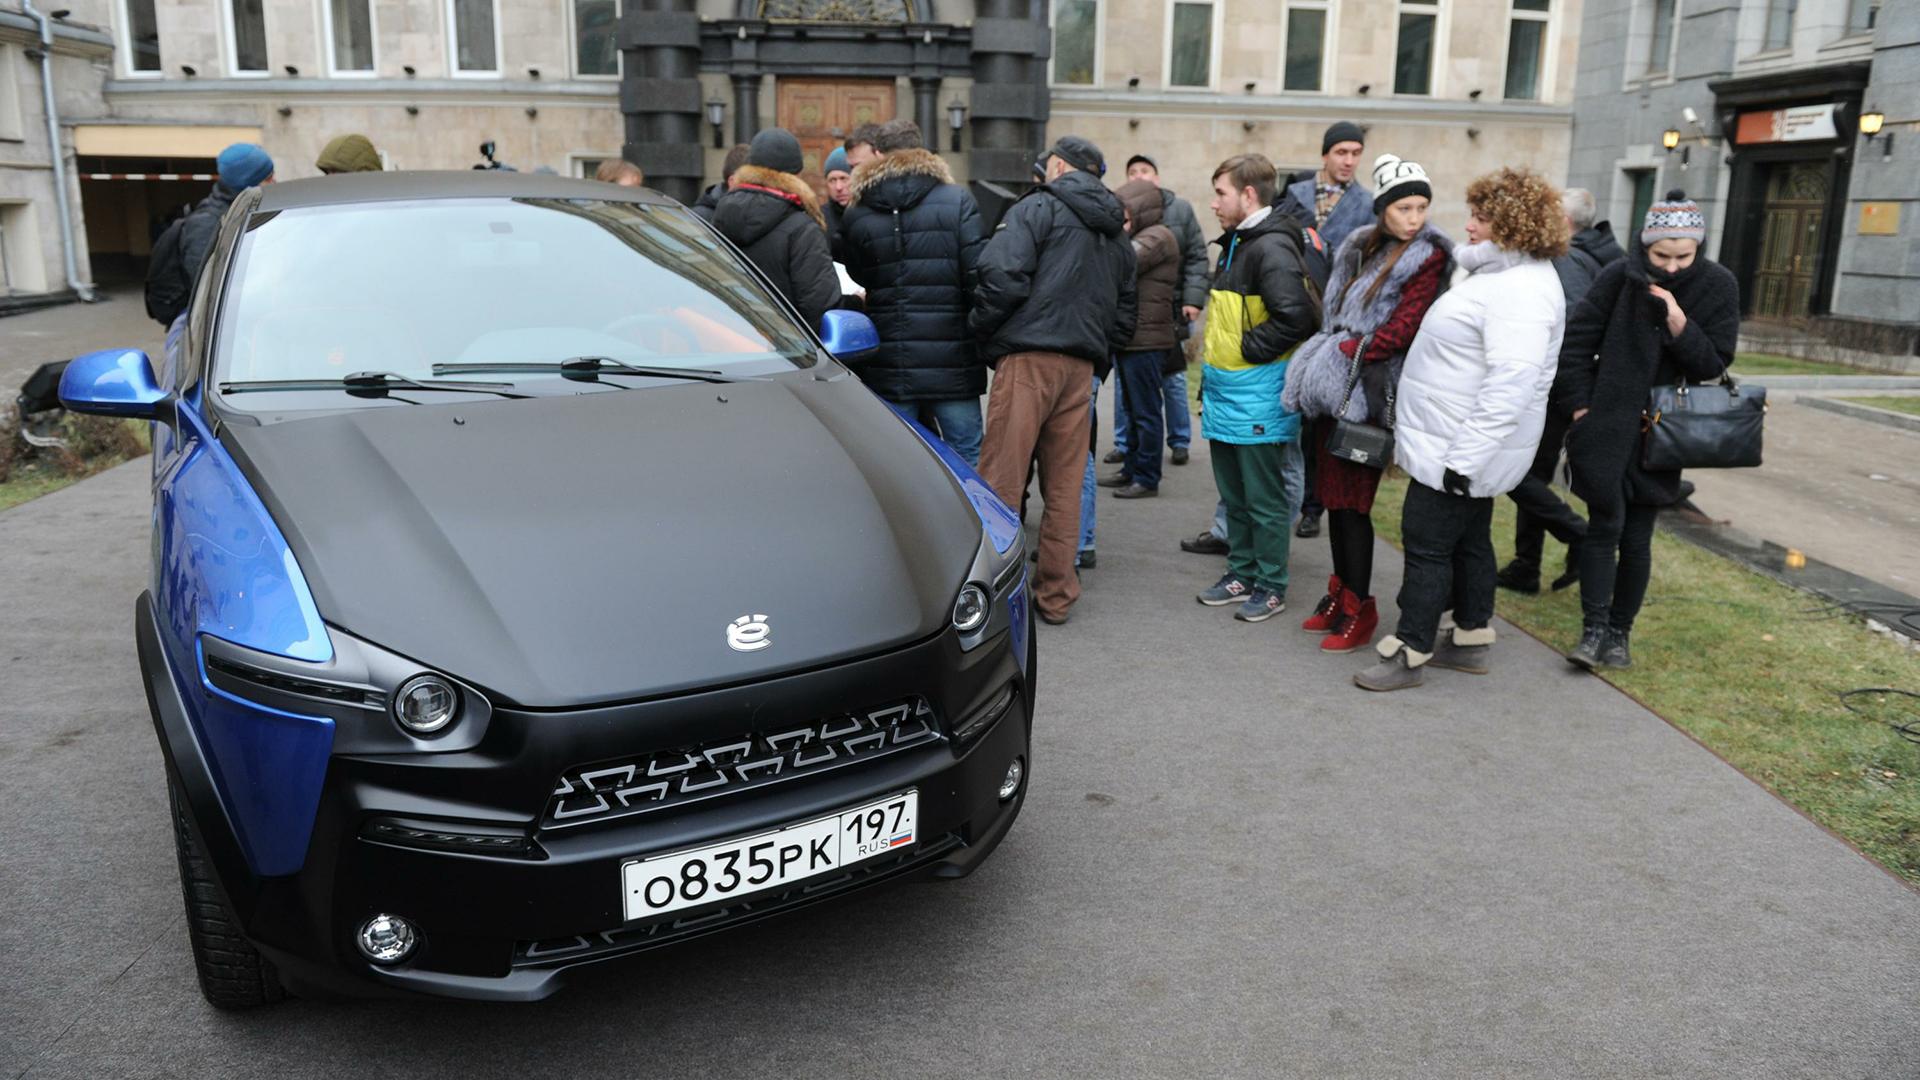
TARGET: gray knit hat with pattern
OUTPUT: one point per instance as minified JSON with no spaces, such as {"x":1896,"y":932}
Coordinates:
{"x":1675,"y":217}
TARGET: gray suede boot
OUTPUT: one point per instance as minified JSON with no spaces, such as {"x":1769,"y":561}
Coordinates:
{"x":1464,"y":650}
{"x":1399,"y":668}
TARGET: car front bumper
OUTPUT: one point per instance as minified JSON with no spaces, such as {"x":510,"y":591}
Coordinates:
{"x":512,"y":923}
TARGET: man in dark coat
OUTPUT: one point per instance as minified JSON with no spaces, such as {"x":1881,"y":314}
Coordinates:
{"x":1540,"y":511}
{"x":710,"y":198}
{"x":1140,"y":364}
{"x":1056,"y":295}
{"x":1190,"y":296}
{"x":912,"y":239}
{"x":1340,"y":203}
{"x":240,"y":166}
{"x":773,"y":217}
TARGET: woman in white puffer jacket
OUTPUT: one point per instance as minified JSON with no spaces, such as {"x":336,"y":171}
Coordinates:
{"x":1472,"y":402}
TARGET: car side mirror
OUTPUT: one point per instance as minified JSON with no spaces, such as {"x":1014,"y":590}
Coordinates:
{"x":848,"y":335}
{"x":115,"y":382}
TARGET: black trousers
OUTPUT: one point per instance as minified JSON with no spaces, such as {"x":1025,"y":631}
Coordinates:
{"x":1616,"y":563}
{"x":1450,"y":564}
{"x":1541,"y":511}
{"x":1310,"y":496}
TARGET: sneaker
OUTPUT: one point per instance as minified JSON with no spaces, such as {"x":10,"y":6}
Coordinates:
{"x":1593,"y":640}
{"x":1261,"y":605}
{"x":1308,"y":526}
{"x":1135,"y":491}
{"x":1615,"y":653}
{"x":1084,"y":559}
{"x":1399,"y":668}
{"x":1518,"y":577}
{"x":1179,"y":455}
{"x":1114,"y":457}
{"x":1324,"y":612}
{"x":1355,"y":627}
{"x":1230,"y":589}
{"x":1205,"y":544}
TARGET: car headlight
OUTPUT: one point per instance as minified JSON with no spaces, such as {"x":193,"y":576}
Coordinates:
{"x":425,"y":703}
{"x":971,"y":609}
{"x":990,"y":579}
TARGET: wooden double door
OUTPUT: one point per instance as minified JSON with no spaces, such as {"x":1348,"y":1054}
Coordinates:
{"x":821,"y":113}
{"x":1791,"y":239}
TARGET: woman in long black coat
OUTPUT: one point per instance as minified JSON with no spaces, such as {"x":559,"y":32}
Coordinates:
{"x":1661,"y":314}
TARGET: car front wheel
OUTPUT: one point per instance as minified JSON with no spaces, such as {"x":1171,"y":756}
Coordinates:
{"x":233,"y":974}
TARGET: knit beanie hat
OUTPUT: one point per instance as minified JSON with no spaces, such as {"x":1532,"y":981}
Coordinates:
{"x":243,"y":165}
{"x":1395,"y":180}
{"x":1675,"y":217}
{"x":776,"y":149}
{"x":349,"y":153}
{"x":1342,"y":131}
{"x":836,"y":161}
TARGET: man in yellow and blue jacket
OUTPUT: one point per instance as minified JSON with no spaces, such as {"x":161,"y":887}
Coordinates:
{"x":1258,"y":311}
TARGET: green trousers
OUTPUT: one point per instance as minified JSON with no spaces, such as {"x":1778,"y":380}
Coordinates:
{"x":1258,"y":517}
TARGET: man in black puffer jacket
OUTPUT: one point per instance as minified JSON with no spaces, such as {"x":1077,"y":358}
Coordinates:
{"x":912,"y":238}
{"x":773,"y":216}
{"x":1056,"y":296}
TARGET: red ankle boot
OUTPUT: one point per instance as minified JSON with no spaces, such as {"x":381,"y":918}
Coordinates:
{"x":1327,"y":610}
{"x":1357,"y":621}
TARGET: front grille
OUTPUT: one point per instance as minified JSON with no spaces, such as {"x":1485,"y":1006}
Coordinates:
{"x":608,"y":790}
{"x":665,"y":931}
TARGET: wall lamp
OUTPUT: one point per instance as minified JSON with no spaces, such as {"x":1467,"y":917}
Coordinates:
{"x":717,"y":116}
{"x":1871,"y":123}
{"x":956,"y":119}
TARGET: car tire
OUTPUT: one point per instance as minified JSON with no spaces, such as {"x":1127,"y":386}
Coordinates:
{"x":233,"y":974}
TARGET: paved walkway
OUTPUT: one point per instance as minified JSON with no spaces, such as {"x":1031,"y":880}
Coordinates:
{"x":1232,"y":863}
{"x":62,"y":333}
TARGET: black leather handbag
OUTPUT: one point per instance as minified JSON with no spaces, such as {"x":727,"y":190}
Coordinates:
{"x":1362,"y":443}
{"x":1703,"y":426}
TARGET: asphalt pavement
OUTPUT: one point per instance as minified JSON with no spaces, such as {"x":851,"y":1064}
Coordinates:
{"x":1231,"y":863}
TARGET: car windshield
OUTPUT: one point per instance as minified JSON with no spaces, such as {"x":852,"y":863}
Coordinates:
{"x":324,"y":292}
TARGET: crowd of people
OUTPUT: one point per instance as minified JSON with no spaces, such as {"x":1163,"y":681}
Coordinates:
{"x":1338,"y":330}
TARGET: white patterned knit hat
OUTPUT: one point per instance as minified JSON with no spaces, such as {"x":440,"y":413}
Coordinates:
{"x":1675,"y":217}
{"x":1395,"y":180}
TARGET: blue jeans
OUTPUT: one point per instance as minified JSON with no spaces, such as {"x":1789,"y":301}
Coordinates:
{"x":1089,"y":506}
{"x":1178,"y":415}
{"x":1139,"y":380}
{"x":956,"y":421}
{"x":1293,"y":477}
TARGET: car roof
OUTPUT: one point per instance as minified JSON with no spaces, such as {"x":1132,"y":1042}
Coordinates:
{"x":348,"y":188}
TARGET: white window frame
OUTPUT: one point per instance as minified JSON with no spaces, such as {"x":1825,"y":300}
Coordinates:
{"x":1099,"y":45}
{"x":326,"y":41}
{"x":123,"y":44}
{"x":1329,"y":34}
{"x":233,"y":41}
{"x":1213,"y":61}
{"x":573,"y":44}
{"x":1644,"y":39}
{"x":1767,"y":47}
{"x":1549,"y":43}
{"x":577,"y":157}
{"x":1437,"y":60}
{"x":453,"y":45}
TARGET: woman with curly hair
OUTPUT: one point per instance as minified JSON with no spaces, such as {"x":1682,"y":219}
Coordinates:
{"x":1473,"y":398}
{"x":1385,"y":277}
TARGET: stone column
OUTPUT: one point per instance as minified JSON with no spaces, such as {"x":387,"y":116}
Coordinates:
{"x":660,"y":94}
{"x":1011,"y":44}
{"x":926,"y":111}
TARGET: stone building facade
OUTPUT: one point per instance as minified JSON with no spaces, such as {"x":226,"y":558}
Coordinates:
{"x":1766,"y":96}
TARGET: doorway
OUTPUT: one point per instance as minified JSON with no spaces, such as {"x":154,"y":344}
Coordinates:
{"x":1788,"y":270}
{"x":821,"y":113}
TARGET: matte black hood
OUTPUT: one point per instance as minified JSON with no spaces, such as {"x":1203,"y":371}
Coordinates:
{"x":569,"y":550}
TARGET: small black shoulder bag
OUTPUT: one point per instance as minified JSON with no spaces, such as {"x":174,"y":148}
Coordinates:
{"x":1356,"y":441}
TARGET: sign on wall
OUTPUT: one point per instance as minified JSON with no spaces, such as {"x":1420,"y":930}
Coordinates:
{"x":1880,"y":219}
{"x":1802,"y":123}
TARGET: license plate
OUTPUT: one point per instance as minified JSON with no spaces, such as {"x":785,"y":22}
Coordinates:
{"x":770,"y":860}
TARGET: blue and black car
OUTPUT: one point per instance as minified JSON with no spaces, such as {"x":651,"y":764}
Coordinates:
{"x":532,"y":588}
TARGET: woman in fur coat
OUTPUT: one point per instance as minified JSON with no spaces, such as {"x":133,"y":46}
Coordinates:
{"x":1661,"y":313}
{"x":1384,"y":278}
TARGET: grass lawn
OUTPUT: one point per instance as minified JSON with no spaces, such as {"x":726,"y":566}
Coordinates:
{"x":1750,"y":365}
{"x":32,"y":479}
{"x":1754,"y":670}
{"x":1910,"y":405}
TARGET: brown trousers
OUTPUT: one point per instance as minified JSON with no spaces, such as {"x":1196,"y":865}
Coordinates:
{"x":1037,"y":411}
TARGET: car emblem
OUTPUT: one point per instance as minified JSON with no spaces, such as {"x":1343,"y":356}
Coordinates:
{"x":749,"y":633}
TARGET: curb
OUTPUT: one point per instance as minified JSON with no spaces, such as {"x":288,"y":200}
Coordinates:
{"x":1886,"y":417}
{"x":1832,"y":382}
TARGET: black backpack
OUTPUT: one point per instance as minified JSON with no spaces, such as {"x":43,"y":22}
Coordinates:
{"x":167,"y":285}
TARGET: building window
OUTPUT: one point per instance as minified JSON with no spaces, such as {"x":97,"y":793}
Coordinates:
{"x":1526,"y":49}
{"x":1660,"y":48}
{"x":474,"y":31}
{"x":1190,"y":44}
{"x":1413,"y":55}
{"x":247,"y":30}
{"x":1863,"y":16}
{"x":350,"y":36}
{"x":142,"y":32}
{"x":1306,"y":46}
{"x":595,"y":48}
{"x":1780,"y":23}
{"x":1076,"y":42}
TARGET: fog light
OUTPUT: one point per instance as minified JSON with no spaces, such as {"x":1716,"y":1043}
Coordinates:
{"x":1016,"y":772}
{"x":387,"y":939}
{"x":970,"y":610}
{"x":425,"y":703}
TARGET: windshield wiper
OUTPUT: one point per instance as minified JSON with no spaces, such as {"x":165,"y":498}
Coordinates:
{"x":371,"y":384}
{"x":589,"y":368}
